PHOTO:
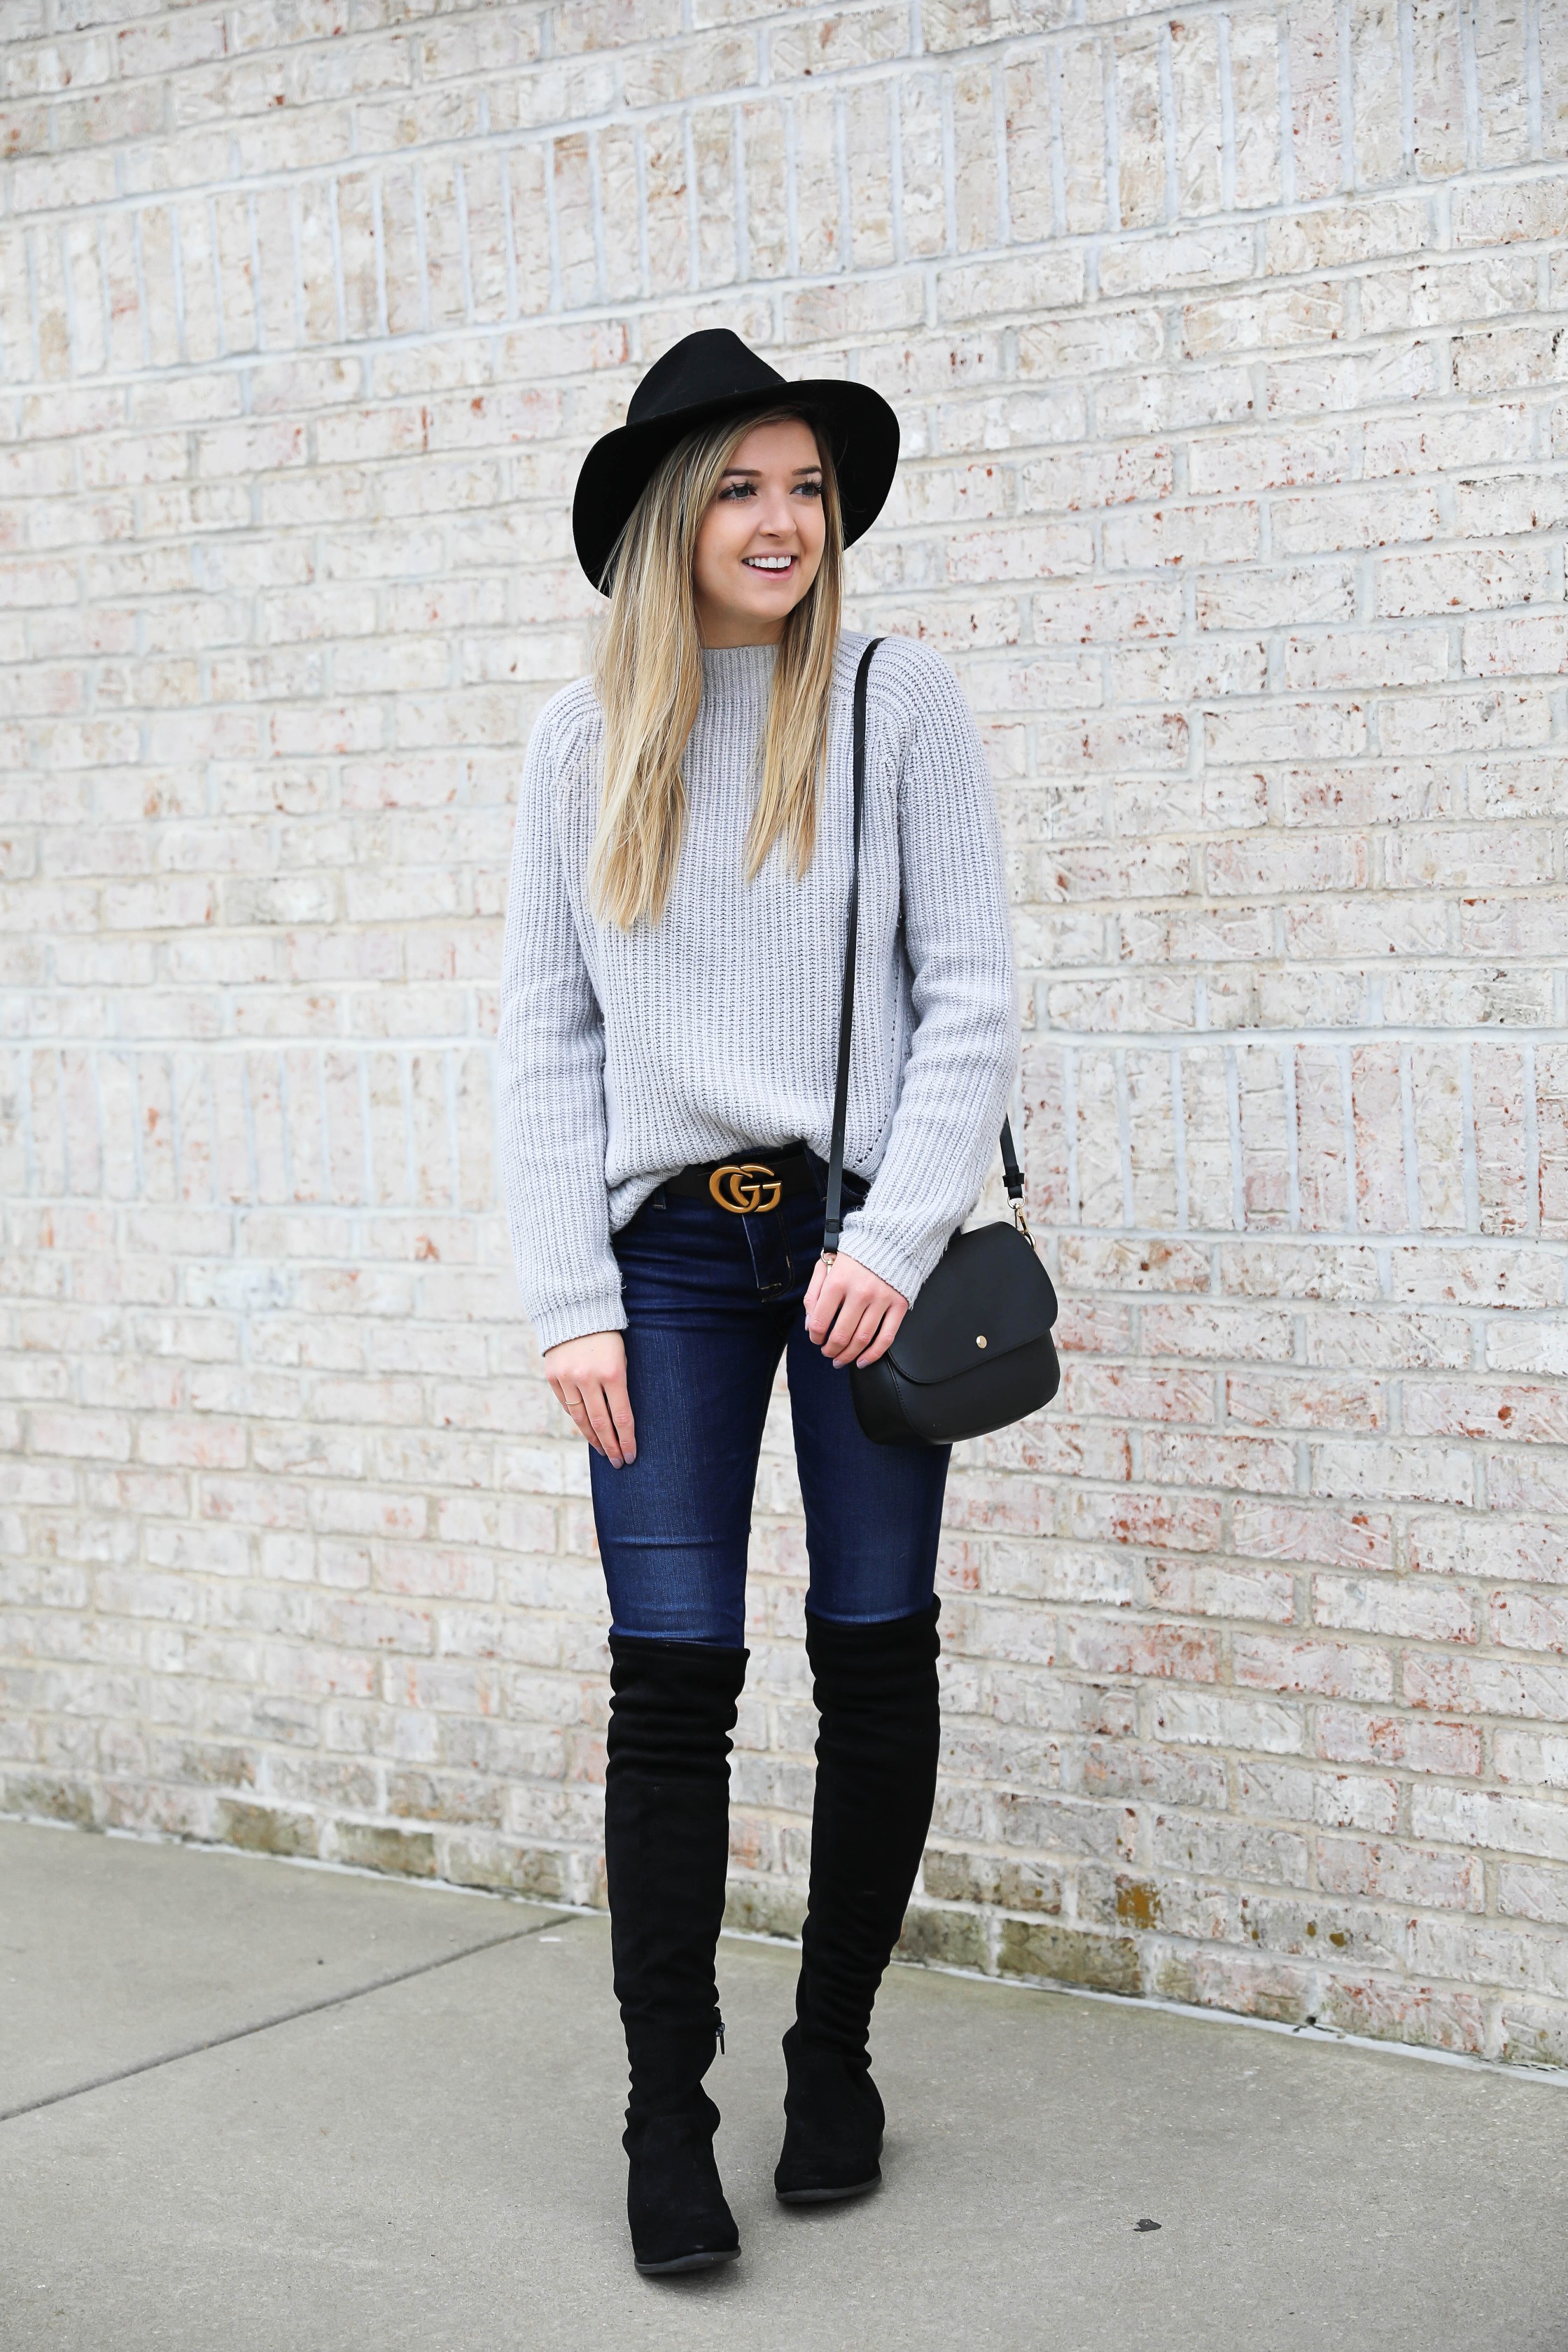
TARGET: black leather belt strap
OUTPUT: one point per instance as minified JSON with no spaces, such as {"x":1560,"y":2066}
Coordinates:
{"x":751,"y":1182}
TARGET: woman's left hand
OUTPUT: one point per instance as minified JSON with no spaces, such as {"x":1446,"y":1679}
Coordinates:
{"x":851,"y":1314}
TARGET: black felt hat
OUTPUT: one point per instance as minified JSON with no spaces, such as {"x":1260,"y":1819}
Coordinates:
{"x":706,"y":376}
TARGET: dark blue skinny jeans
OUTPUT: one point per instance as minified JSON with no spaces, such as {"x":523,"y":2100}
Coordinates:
{"x":712,"y":1300}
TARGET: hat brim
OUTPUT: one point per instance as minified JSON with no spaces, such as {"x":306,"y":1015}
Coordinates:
{"x":859,"y":422}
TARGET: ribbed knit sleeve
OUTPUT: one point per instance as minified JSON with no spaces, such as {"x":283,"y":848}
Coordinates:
{"x":953,"y":1094}
{"x":551,"y":1062}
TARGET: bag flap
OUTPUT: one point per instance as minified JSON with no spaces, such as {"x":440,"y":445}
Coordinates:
{"x":987,"y":1284}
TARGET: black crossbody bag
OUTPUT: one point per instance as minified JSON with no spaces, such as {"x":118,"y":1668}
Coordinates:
{"x":974,"y":1351}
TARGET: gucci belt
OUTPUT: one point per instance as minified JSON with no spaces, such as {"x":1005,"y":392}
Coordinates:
{"x":749,"y":1185}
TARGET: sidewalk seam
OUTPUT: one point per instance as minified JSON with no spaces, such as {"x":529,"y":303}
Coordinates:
{"x":266,"y":2024}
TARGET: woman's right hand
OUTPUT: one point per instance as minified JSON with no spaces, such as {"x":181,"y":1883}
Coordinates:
{"x":589,"y":1378}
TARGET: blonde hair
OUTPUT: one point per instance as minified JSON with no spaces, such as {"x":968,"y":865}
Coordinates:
{"x":648,"y":675}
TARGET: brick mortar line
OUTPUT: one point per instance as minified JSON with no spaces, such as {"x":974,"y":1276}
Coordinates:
{"x":999,"y":54}
{"x":265,"y":2024}
{"x":1253,"y":1889}
{"x":1445,"y":404}
{"x":956,"y":595}
{"x":765,"y":19}
{"x":1546,"y":471}
{"x":631,"y":116}
{"x":1146,"y":1617}
{"x":1098,"y":1041}
{"x":1433,"y":1238}
{"x":610,"y":310}
{"x":475,"y":9}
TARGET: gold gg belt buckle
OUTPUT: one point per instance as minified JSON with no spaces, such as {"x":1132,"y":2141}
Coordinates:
{"x":735,"y":1187}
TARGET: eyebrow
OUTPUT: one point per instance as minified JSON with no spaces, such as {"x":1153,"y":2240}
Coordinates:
{"x":752,"y":473}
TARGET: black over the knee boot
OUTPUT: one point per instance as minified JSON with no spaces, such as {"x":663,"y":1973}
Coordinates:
{"x":875,"y":1692}
{"x":667,"y":1840}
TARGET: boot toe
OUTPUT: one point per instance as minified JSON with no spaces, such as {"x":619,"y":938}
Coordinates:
{"x":809,"y":2184}
{"x":676,"y":2206}
{"x":704,"y":2258}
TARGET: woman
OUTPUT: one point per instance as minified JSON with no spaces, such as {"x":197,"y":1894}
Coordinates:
{"x":674,"y":949}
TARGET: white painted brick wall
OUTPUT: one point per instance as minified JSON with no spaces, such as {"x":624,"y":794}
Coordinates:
{"x":1228,"y":348}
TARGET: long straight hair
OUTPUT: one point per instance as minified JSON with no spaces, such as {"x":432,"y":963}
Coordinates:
{"x":648,"y":676}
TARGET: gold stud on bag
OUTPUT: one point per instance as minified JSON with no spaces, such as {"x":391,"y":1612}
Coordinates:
{"x":928,"y":1387}
{"x":735,"y":1188}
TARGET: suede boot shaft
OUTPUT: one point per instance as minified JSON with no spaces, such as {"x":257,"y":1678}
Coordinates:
{"x":877,"y":1752}
{"x":876,"y":1691}
{"x":667,"y":1846}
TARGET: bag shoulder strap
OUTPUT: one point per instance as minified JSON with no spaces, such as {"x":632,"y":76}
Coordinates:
{"x":1010,"y":1171}
{"x":835,"y":1220}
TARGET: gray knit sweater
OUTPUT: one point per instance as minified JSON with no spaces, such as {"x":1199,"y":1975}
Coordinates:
{"x":626,"y":1055}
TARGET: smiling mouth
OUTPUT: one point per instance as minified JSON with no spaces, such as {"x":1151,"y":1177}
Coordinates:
{"x":777,"y":565}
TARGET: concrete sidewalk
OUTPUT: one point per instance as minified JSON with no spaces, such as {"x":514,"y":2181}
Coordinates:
{"x":412,"y":2144}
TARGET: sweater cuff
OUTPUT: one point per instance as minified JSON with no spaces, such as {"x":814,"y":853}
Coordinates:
{"x":602,"y":1311}
{"x":882,"y":1256}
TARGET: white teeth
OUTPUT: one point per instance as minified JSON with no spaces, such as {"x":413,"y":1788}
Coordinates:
{"x":769,"y":562}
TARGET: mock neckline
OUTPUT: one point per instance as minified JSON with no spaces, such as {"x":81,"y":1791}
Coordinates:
{"x":730,"y":667}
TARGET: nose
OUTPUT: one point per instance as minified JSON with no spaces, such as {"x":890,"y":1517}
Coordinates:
{"x":776,"y":520}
